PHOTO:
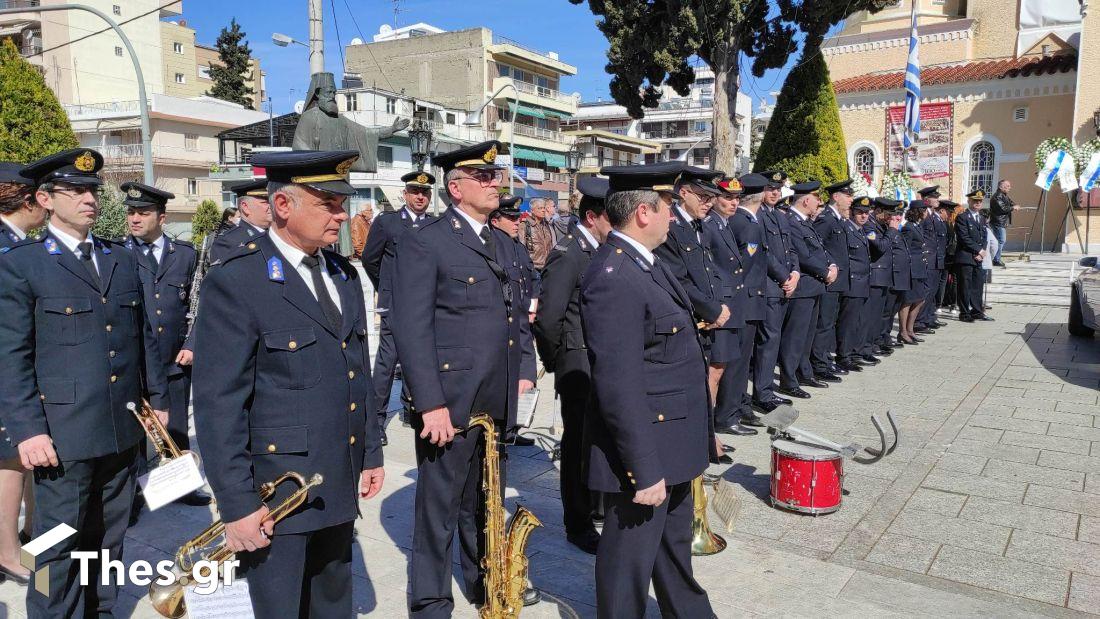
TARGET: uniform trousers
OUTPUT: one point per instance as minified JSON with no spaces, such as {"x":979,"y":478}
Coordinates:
{"x":94,"y":497}
{"x":797,"y":339}
{"x":179,"y":397}
{"x":894,"y":300}
{"x":733,"y":401}
{"x":576,"y":500}
{"x":448,"y":497}
{"x":766,"y":353}
{"x":641,"y":544}
{"x":309,"y":571}
{"x":385,"y":363}
{"x":927,"y":315}
{"x":971,"y":282}
{"x":825,"y":338}
{"x":872,"y":318}
{"x":849,"y":333}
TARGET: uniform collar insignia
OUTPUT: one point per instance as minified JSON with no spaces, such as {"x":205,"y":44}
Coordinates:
{"x":106,"y":250}
{"x":51,"y":246}
{"x":275,"y":269}
{"x":335,"y":267}
{"x":752,"y":247}
{"x":4,"y":250}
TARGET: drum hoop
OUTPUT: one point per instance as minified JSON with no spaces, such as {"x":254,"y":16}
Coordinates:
{"x":806,"y":510}
{"x":805,"y":457}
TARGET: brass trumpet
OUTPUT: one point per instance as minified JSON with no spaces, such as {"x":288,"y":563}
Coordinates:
{"x":210,"y":546}
{"x":157,"y":433}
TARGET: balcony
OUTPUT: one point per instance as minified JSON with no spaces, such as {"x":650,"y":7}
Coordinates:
{"x":101,"y":111}
{"x":116,"y":153}
{"x":547,"y":60}
{"x":676,"y":134}
{"x":537,"y":95}
{"x":19,"y":4}
{"x":532,"y":137}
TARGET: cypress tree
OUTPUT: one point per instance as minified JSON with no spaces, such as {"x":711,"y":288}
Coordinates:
{"x":32,"y":123}
{"x":805,"y":138}
{"x":111,"y":222}
{"x":229,"y":77}
{"x":206,"y":220}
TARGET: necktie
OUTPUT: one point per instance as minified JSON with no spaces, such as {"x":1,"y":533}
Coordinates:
{"x":85,"y":249}
{"x":151,"y":256}
{"x":328,"y":306}
{"x":490,"y":245}
{"x":698,"y":225}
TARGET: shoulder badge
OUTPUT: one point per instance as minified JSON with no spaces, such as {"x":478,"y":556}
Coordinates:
{"x":870,"y":236}
{"x":52,"y":248}
{"x":275,"y":269}
{"x":752,"y":247}
{"x":85,"y":162}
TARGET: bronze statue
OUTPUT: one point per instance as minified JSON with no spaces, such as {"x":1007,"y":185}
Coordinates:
{"x":322,"y":128}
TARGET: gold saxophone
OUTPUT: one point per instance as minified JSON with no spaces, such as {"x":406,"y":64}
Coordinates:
{"x":168,"y":600}
{"x":505,"y":563}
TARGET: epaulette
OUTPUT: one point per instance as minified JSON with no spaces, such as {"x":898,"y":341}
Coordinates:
{"x":244,"y":249}
{"x":183,"y":243}
{"x":564,"y":243}
{"x":27,"y":242}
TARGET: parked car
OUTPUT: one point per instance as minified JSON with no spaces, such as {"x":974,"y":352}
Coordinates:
{"x":1084,"y":302}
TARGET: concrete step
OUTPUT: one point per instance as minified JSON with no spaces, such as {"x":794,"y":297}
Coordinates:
{"x":1015,"y":299}
{"x":1029,"y":290}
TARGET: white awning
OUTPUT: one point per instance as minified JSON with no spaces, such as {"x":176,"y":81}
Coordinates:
{"x":13,"y":29}
{"x":393,"y":196}
{"x":428,"y":105}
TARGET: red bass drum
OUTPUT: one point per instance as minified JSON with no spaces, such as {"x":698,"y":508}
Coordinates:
{"x":806,"y":478}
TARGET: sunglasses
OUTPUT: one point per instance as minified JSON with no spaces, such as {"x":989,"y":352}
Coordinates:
{"x":484,"y":177}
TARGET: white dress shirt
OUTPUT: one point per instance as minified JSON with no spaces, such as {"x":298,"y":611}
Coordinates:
{"x":294,"y":256}
{"x":588,"y":236}
{"x":158,"y":247}
{"x":14,"y":228}
{"x":71,"y":242}
{"x":475,"y":224}
{"x":648,"y":255}
{"x":414,"y":217}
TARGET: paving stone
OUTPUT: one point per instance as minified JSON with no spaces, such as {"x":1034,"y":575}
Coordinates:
{"x":985,"y":435}
{"x":1015,"y":471}
{"x":1089,"y":530}
{"x":1080,"y":409}
{"x":1092,"y":483}
{"x":1011,"y":576}
{"x":1065,"y":500}
{"x":936,"y":501}
{"x":1008,"y":423}
{"x":1027,"y":403}
{"x":962,"y":463}
{"x":975,"y":485}
{"x":1071,"y":462}
{"x":1081,"y":397}
{"x":1054,"y":443}
{"x":994,"y":410}
{"x":1026,"y":455}
{"x":904,"y":552}
{"x":1029,"y":518}
{"x":1072,"y":419}
{"x":915,"y":600}
{"x":1084,"y":593}
{"x":932,"y":527}
{"x":1085,"y":434}
{"x":1028,"y":385}
{"x":1057,"y":552}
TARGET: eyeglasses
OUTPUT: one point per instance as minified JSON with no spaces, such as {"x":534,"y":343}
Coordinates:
{"x":485,"y":177}
{"x":75,"y":190}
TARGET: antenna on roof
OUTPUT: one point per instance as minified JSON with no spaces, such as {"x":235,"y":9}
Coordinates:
{"x":396,"y":11}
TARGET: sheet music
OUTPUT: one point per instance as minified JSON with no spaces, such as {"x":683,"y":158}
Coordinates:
{"x":525,"y":410}
{"x":171,"y":480}
{"x":226,"y":602}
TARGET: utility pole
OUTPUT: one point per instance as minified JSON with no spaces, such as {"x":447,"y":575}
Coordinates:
{"x":316,"y":37}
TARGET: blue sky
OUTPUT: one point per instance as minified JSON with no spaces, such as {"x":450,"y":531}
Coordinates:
{"x":548,"y":25}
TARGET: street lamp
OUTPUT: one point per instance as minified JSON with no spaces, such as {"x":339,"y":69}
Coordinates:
{"x":283,"y":40}
{"x":572,"y":166}
{"x":420,"y":143}
{"x":473,"y":119}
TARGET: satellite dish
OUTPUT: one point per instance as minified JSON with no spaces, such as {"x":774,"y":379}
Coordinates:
{"x":299,"y":107}
{"x":357,"y":41}
{"x":385,"y":29}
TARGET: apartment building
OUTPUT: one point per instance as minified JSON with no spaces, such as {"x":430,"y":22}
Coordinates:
{"x":187,"y":65}
{"x":92,"y":75}
{"x":460,"y":70}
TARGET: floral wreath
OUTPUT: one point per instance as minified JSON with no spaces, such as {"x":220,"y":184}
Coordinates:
{"x":1048,"y":146}
{"x":893,"y":181}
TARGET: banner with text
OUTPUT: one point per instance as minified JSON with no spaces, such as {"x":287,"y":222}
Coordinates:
{"x":931,"y":158}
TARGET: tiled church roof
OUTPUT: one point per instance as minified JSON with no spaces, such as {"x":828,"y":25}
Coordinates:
{"x":975,"y":71}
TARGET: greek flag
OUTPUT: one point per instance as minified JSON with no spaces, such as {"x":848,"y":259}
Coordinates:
{"x":904,"y":195}
{"x":1060,"y":167}
{"x":912,"y":87}
{"x":1090,"y":178}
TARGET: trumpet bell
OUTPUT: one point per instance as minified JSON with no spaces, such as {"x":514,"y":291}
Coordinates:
{"x":168,"y":599}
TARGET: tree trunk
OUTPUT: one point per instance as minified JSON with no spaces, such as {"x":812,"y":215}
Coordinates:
{"x":725,"y":155}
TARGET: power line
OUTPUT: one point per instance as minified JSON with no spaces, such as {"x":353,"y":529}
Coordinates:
{"x":339,"y":42}
{"x":367,"y":47}
{"x":108,"y":28}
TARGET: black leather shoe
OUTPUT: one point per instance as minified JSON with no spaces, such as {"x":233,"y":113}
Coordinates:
{"x":923,"y":329}
{"x":939,"y":324}
{"x":385,"y":439}
{"x":588,"y":541}
{"x":816,"y":383}
{"x":827,"y":377}
{"x":794,"y":393}
{"x":752,"y":420}
{"x":766,"y":407}
{"x":531,"y":596}
{"x":737,"y":430}
{"x":523,"y":441}
{"x":839,"y":371}
{"x":985,"y":318}
{"x":965,"y":319}
{"x":782,"y":400}
{"x":883,"y":351}
{"x":197,"y":498}
{"x":849,"y":366}
{"x":868,"y":360}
